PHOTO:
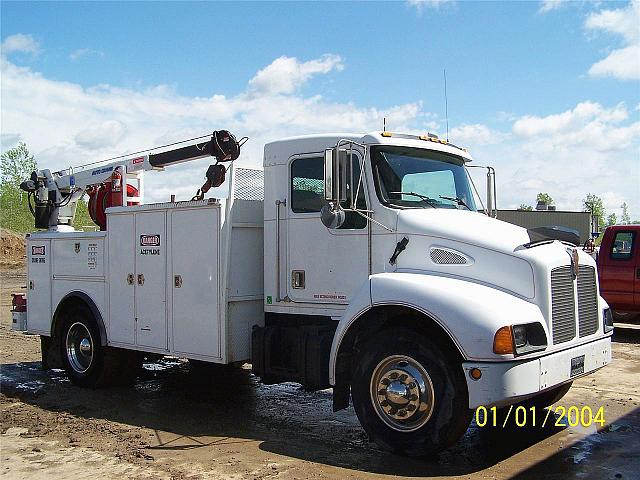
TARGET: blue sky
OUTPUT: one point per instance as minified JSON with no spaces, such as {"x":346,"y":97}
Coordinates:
{"x":530,"y":84}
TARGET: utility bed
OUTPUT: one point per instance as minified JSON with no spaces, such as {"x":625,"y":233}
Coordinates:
{"x":180,"y":278}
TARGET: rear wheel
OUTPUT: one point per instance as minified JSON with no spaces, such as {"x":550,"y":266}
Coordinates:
{"x":85,"y":360}
{"x":410,"y":396}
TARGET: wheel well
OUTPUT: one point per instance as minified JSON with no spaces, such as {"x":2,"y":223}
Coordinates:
{"x":379,"y":318}
{"x":73,"y":299}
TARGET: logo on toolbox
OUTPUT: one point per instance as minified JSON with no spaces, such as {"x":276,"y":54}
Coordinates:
{"x":149,"y":240}
{"x":37,"y":250}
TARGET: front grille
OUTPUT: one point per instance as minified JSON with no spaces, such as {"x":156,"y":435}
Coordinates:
{"x":563,"y":305}
{"x":587,"y":301}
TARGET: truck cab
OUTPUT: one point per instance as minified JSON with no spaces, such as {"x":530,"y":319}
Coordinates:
{"x":374,"y":245}
{"x":619,"y":269}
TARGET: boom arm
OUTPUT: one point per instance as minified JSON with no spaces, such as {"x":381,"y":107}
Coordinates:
{"x":56,"y":193}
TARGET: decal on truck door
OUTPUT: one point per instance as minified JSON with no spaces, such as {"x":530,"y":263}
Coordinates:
{"x":150,"y":241}
{"x":37,"y":254}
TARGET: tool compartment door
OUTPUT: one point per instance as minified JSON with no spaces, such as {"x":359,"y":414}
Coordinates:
{"x":150,"y":279}
{"x":195,"y":274}
{"x":121,"y":279}
{"x":39,"y":285}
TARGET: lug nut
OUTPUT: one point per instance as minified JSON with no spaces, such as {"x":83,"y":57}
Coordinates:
{"x":411,"y":407}
{"x":382,"y":391}
{"x":402,"y":413}
{"x":393,"y":376}
{"x":413,"y":398}
{"x":403,"y":378}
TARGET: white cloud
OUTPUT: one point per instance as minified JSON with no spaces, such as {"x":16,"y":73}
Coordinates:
{"x":622,"y":63}
{"x":84,"y":52}
{"x":420,"y":5}
{"x":549,"y":5}
{"x":286,"y":74}
{"x":475,"y":134}
{"x":590,"y":148}
{"x":105,"y":134}
{"x":19,"y":42}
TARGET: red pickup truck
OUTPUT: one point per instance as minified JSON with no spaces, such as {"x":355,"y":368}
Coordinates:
{"x":619,"y":270}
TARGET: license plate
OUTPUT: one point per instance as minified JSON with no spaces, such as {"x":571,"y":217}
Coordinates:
{"x":577,"y":366}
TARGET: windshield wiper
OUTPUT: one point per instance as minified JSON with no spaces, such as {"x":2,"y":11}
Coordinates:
{"x":459,"y":201}
{"x":428,"y":200}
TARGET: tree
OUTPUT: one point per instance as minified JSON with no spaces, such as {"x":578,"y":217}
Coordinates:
{"x":16,"y":165}
{"x":593,"y":203}
{"x":626,"y":218}
{"x":544,"y":198}
{"x":612,"y":220}
{"x":526,"y":208}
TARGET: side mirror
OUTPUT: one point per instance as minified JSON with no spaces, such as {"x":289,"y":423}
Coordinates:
{"x":332,"y":217}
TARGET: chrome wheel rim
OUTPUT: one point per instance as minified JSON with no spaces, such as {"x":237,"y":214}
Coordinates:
{"x":402,"y":393}
{"x":79,"y":345}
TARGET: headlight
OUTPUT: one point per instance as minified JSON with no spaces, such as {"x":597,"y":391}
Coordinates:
{"x":529,"y":337}
{"x":520,"y":339}
{"x":607,"y":320}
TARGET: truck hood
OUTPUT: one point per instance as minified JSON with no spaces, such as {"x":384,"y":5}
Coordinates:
{"x":463,"y":226}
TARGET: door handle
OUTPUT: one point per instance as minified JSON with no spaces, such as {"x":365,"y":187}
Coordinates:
{"x":130,"y":279}
{"x":140,"y":279}
{"x":177,"y":281}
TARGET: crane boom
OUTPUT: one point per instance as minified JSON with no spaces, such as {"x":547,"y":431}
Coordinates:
{"x":56,"y":193}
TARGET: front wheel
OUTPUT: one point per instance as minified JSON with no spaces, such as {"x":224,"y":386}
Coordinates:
{"x":410,"y":397}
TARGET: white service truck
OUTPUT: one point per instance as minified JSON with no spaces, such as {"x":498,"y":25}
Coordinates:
{"x":357,"y":262}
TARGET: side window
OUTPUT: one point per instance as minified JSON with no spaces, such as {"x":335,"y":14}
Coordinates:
{"x":307,"y":189}
{"x":622,"y":246}
{"x":307,"y":185}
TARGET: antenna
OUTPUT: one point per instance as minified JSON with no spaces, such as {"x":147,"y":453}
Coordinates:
{"x":384,"y":124}
{"x":446,"y":103}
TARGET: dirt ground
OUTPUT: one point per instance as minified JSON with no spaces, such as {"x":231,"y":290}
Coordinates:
{"x":177,"y":425}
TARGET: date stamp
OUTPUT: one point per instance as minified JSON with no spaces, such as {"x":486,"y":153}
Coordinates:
{"x":521,"y":416}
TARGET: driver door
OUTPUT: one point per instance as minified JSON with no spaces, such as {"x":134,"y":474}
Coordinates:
{"x":324,"y":266}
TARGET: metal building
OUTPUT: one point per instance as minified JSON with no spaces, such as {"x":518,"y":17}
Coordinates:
{"x":580,"y":221}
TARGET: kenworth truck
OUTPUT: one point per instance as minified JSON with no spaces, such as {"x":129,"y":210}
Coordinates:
{"x":357,"y":262}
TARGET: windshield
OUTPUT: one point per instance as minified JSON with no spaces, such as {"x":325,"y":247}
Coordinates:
{"x":412,"y":177}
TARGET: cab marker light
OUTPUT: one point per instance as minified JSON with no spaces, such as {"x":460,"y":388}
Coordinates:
{"x":386,"y":134}
{"x":503,"y":341}
{"x":475,"y":373}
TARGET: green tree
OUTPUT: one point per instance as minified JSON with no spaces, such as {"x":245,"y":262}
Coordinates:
{"x":612,"y":220}
{"x":526,"y":208}
{"x":544,"y":198}
{"x":626,"y":219}
{"x":16,"y":165}
{"x":593,"y":203}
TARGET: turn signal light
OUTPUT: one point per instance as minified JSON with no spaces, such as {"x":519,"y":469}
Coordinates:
{"x":503,"y":341}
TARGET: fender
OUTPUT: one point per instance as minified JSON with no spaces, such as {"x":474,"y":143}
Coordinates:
{"x":92,"y":306}
{"x":470,"y":313}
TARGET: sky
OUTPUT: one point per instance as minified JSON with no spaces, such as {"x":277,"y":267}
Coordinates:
{"x":547,"y":92}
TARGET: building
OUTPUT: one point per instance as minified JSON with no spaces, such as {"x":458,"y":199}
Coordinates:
{"x":579,"y":221}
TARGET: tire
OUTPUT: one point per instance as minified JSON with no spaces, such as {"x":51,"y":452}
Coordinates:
{"x":409,"y":395}
{"x":86,"y":361}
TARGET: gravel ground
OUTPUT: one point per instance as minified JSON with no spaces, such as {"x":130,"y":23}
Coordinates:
{"x":175,"y":424}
